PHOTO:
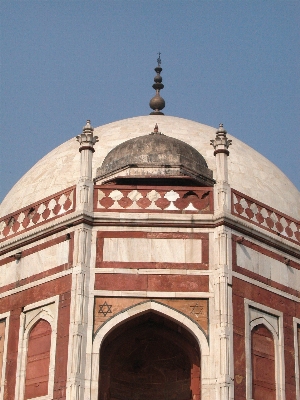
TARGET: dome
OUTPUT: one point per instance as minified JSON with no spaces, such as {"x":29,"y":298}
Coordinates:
{"x":249,"y":172}
{"x":156,"y":154}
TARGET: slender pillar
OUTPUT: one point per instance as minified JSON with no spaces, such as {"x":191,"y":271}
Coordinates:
{"x":84,"y":190}
{"x":222,"y":189}
{"x":223,"y":277}
{"x":221,"y":323}
{"x":81,"y":268}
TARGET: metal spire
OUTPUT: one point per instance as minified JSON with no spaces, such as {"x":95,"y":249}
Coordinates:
{"x":157,"y":103}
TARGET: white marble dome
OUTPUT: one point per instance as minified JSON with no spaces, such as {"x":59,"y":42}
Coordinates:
{"x":249,"y":172}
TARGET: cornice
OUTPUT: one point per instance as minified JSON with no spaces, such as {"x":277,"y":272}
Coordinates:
{"x":68,"y":223}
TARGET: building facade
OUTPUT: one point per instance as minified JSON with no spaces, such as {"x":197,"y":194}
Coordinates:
{"x":158,"y":263}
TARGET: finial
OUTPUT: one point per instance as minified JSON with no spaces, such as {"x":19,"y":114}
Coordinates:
{"x":88,"y":125}
{"x":157,"y":103}
{"x":155,"y":131}
{"x":221,"y":130}
{"x":87,"y":139}
{"x":159,"y":59}
{"x":221,"y":143}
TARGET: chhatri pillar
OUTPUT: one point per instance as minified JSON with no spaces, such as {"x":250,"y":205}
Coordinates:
{"x":222,"y":190}
{"x":87,"y":140}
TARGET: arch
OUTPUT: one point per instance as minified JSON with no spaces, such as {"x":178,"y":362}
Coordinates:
{"x":38,"y":360}
{"x":263,"y":359}
{"x":139,"y":309}
{"x":268,"y":325}
{"x":28,"y":321}
{"x":149,"y":357}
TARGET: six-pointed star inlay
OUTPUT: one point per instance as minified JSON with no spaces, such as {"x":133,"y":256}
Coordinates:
{"x":105,"y":309}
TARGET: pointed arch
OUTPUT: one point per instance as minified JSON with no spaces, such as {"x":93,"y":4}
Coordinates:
{"x":38,"y":359}
{"x":258,"y":314}
{"x":136,"y":310}
{"x":263,"y":362}
{"x":38,"y":329}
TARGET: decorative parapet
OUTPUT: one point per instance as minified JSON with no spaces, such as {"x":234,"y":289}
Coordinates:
{"x":52,"y":207}
{"x":158,"y":199}
{"x":265,"y":217}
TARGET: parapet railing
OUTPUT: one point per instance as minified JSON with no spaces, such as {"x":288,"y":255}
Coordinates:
{"x":194,"y":200}
{"x":264,"y":216}
{"x":45,"y":210}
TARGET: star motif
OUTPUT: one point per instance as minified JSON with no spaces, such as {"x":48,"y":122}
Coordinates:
{"x":105,"y":309}
{"x":197,"y":310}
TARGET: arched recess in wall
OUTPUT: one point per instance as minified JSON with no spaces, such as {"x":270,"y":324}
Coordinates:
{"x":141,"y":322}
{"x":38,"y":327}
{"x":38,"y":360}
{"x":149,"y":357}
{"x":263,"y":362}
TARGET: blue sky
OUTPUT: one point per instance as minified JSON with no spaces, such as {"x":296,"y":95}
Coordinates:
{"x":62,"y":62}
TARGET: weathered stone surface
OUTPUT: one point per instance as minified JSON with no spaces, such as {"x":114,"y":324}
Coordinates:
{"x":156,"y":154}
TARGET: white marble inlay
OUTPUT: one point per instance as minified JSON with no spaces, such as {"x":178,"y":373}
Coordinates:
{"x":267,"y":267}
{"x":34,"y":263}
{"x":152,"y":250}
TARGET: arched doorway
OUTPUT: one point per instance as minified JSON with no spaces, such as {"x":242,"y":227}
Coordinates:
{"x":149,"y":357}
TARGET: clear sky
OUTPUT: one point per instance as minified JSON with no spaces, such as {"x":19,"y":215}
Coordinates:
{"x":235,"y":62}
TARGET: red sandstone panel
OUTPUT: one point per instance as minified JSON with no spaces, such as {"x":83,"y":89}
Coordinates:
{"x":120,"y":282}
{"x":151,"y":265}
{"x":2,"y":341}
{"x":289,"y":308}
{"x":61,"y":358}
{"x":12,"y":353}
{"x":152,"y":235}
{"x":36,"y":293}
{"x":263,"y":364}
{"x":107,"y":307}
{"x":38,"y":360}
{"x":298,"y":337}
{"x":157,"y":283}
{"x":177,"y":283}
{"x":15,"y":303}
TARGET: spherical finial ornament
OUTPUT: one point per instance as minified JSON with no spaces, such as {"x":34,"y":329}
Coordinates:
{"x":157,"y":103}
{"x":87,"y":126}
{"x":221,"y":130}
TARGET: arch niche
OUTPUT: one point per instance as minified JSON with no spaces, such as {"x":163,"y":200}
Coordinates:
{"x":149,"y":355}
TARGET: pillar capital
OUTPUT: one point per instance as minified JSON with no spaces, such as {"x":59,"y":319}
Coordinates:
{"x":221,"y":143}
{"x":87,"y":139}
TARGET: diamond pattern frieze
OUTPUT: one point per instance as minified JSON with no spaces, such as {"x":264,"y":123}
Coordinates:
{"x":260,"y":214}
{"x":36,"y":214}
